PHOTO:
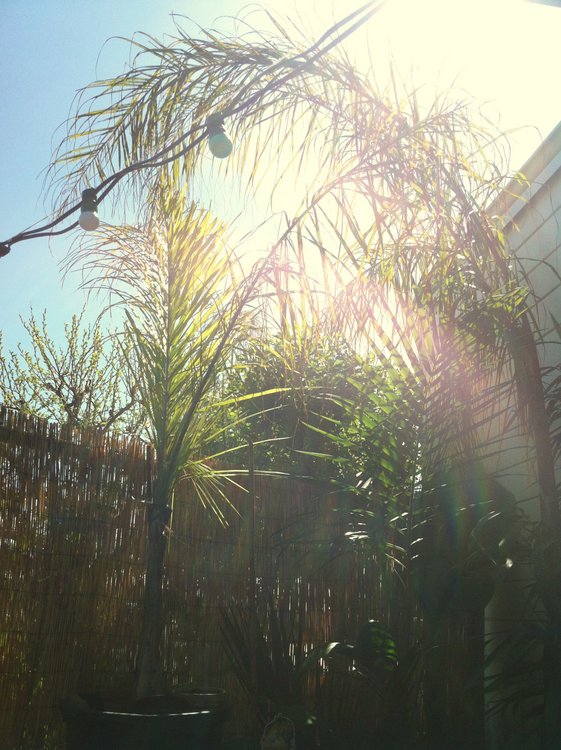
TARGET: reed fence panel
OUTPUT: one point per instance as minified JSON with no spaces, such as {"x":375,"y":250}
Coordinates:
{"x":72,"y":557}
{"x":72,"y":551}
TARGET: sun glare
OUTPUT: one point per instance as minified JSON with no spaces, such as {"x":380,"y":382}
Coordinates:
{"x":502,"y":55}
{"x":481,"y":52}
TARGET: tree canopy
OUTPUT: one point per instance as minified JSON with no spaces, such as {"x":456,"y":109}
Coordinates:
{"x":86,"y":381}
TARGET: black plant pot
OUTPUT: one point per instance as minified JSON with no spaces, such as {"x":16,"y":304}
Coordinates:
{"x":210,"y":699}
{"x":162,"y":722}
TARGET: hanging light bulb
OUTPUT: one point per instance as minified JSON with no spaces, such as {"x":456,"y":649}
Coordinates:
{"x":218,"y":142}
{"x":89,"y":220}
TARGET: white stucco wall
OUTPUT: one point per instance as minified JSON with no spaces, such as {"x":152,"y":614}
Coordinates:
{"x":532,"y":213}
{"x":533,"y":232}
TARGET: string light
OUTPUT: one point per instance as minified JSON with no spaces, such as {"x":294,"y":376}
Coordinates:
{"x":89,"y":220}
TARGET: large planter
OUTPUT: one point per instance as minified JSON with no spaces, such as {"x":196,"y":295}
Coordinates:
{"x":162,"y":722}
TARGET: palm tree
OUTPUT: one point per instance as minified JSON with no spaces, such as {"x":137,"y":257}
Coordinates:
{"x":185,"y":311}
{"x":396,"y":195}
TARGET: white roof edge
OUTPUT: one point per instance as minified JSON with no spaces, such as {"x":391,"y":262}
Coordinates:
{"x":536,"y":172}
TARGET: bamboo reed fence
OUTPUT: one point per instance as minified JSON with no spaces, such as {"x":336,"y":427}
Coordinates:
{"x":72,"y":549}
{"x":71,"y":512}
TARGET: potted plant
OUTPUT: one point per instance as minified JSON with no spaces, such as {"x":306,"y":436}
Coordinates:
{"x":184,"y":313}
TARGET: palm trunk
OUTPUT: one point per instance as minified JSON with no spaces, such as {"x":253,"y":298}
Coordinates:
{"x":548,"y":546}
{"x":149,"y":677}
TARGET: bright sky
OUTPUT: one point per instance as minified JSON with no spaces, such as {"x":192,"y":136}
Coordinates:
{"x":503,"y":52}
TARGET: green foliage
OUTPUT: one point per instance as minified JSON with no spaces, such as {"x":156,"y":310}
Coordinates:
{"x":326,"y":411}
{"x":277,"y":675}
{"x":185,"y":313}
{"x":266,"y":654}
{"x":89,"y":380}
{"x":370,"y":695}
{"x":374,"y":653}
{"x":299,"y":392}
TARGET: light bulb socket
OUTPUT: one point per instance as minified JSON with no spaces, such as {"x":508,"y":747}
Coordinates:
{"x":89,"y":200}
{"x":214,"y":124}
{"x":219,"y":143}
{"x":89,"y":220}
